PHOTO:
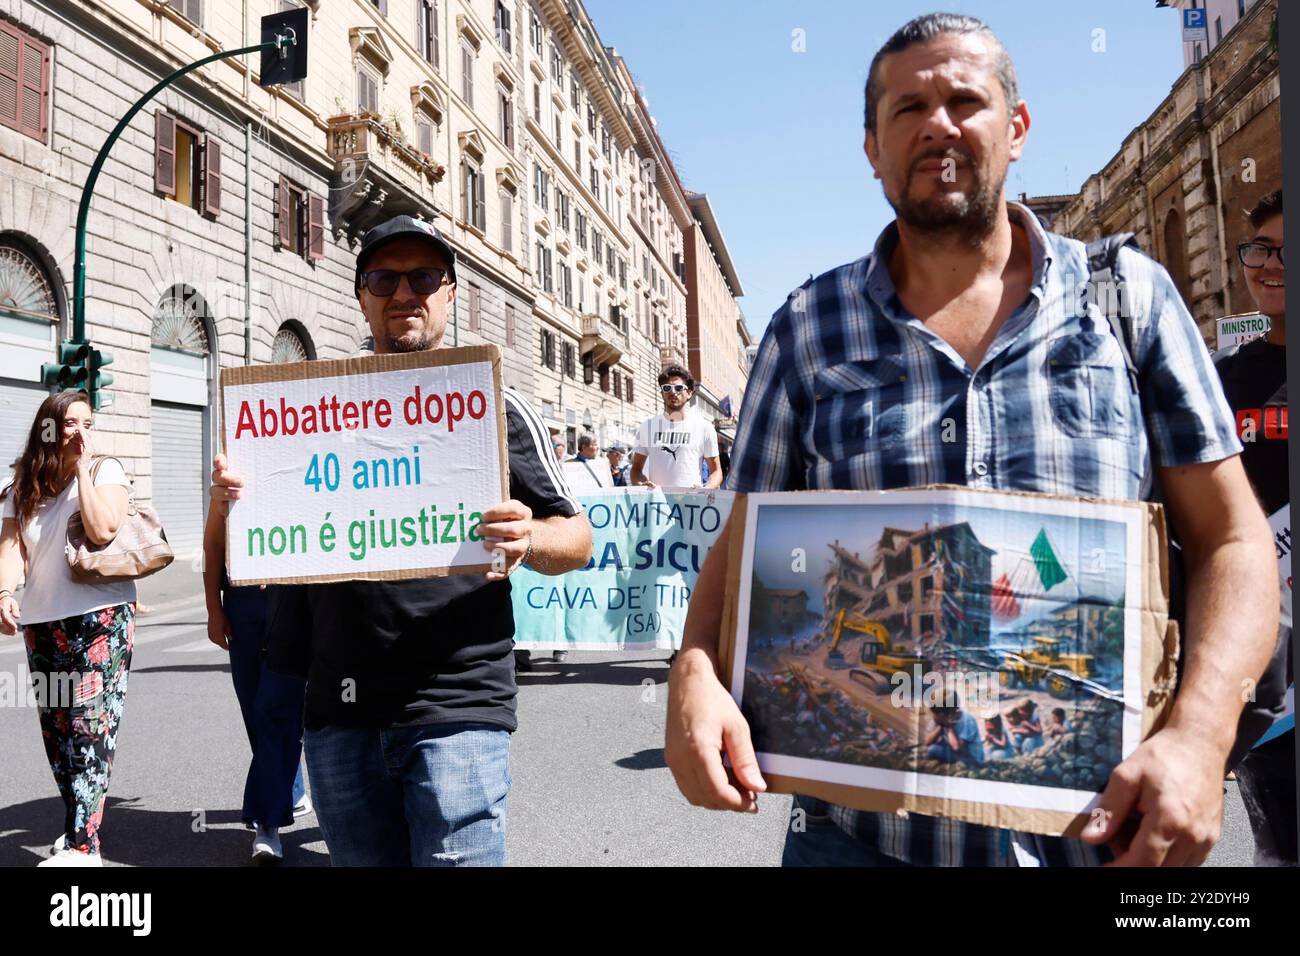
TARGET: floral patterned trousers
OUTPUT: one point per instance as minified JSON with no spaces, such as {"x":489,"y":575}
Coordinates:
{"x":79,"y":668}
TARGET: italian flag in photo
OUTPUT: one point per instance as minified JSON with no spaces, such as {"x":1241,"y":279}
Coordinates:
{"x":1033,"y":576}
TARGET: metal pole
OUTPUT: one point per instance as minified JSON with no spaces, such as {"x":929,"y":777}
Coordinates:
{"x":83,"y":212}
{"x":248,"y":242}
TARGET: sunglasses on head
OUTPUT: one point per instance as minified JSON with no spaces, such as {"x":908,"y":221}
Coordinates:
{"x":672,"y":387}
{"x":1254,"y":255}
{"x":384,"y":282}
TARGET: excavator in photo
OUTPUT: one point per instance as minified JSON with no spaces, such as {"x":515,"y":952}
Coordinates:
{"x":878,"y":657}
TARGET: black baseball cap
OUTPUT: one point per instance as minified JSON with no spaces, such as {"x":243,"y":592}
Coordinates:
{"x":397,"y":228}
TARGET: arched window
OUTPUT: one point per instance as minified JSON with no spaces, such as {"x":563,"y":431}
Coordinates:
{"x":292,"y":344}
{"x":25,"y":288}
{"x":179,"y":322}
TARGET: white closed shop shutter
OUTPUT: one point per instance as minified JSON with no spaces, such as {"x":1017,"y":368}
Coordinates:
{"x":18,"y":404}
{"x":178,"y":463}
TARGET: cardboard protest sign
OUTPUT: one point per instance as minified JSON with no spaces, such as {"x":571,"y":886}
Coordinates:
{"x":375,"y":468}
{"x":647,"y":550}
{"x":584,"y":476}
{"x":984,"y":656}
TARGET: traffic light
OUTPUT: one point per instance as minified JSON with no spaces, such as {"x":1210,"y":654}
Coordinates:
{"x":286,"y":63}
{"x":97,"y":379}
{"x":80,"y":366}
{"x":70,"y":371}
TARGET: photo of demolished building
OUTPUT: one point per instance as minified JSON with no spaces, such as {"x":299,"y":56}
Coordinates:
{"x":924,"y":587}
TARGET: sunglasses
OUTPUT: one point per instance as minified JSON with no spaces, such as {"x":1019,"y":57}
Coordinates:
{"x":384,"y":282}
{"x":678,"y":387}
{"x":1254,"y":255}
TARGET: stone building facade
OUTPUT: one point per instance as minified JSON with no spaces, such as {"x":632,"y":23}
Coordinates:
{"x":226,"y":220}
{"x":716,"y":332}
{"x":1184,"y":179}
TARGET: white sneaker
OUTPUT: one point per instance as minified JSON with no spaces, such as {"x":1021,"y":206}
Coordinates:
{"x":66,"y":857}
{"x":303,"y":806}
{"x":266,"y":846}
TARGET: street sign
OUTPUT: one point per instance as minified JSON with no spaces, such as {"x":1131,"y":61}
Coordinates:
{"x":288,"y":62}
{"x":1240,"y":329}
{"x":1196,"y":26}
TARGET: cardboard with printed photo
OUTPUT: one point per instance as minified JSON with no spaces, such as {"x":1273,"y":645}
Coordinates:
{"x":372,"y":468}
{"x":984,"y":656}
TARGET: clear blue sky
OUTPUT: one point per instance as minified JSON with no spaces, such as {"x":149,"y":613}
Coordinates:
{"x":774,"y":137}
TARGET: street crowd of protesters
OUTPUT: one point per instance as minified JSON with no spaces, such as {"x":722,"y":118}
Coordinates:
{"x":964,"y":297}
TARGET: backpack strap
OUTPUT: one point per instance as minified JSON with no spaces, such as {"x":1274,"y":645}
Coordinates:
{"x":1103,"y":256}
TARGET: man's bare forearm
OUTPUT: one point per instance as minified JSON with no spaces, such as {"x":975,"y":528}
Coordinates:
{"x":1232,"y":617}
{"x":704,"y":617}
{"x":560,"y":544}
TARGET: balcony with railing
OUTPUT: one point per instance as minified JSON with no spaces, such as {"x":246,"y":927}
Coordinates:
{"x":377,"y":172}
{"x":671,"y":355}
{"x":602,"y":338}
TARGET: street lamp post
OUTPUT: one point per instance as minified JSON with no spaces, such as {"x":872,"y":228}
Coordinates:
{"x":80,"y":364}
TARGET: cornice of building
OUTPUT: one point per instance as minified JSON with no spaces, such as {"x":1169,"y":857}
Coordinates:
{"x":703,"y":212}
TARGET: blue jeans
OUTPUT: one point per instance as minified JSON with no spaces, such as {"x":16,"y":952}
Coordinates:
{"x":823,"y":843}
{"x":271,"y":705}
{"x":431,"y":795}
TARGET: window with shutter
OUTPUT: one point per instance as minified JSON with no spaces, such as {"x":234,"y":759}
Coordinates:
{"x":424,"y":136}
{"x":536,"y":31}
{"x":506,"y":109}
{"x":24,"y":83}
{"x":11,"y":42}
{"x":164,"y":153}
{"x":211,"y":176}
{"x":628,"y":383}
{"x":283,"y":226}
{"x":315,"y":228}
{"x":367,"y":92}
{"x":503,"y":26}
{"x":588,"y":369}
{"x":475,"y":307}
{"x":467,"y":75}
{"x":466,"y":190}
{"x":480,"y":201}
{"x":507,"y":227}
{"x":191,"y":10}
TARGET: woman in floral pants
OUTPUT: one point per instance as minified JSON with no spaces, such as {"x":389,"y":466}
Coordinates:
{"x":79,"y":668}
{"x":78,"y":633}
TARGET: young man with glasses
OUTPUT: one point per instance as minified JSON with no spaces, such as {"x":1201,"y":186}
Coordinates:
{"x":1254,"y":381}
{"x":410,"y":685}
{"x":669,"y":446}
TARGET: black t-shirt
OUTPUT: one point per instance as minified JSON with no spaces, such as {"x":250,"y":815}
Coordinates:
{"x":1254,"y":381}
{"x":433,"y":650}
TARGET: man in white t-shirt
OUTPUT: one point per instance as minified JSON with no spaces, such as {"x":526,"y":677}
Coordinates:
{"x":669,"y":446}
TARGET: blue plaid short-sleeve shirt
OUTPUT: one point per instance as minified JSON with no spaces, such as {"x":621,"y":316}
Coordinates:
{"x":850,"y":391}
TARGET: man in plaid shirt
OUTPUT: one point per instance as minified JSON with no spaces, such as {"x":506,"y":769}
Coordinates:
{"x":957,"y":352}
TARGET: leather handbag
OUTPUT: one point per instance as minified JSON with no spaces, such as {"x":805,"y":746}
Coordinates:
{"x":137,"y":550}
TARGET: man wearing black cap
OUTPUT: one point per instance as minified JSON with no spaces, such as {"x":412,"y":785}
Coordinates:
{"x":410,"y":684}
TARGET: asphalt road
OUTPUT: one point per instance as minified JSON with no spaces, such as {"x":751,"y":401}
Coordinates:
{"x":590,"y":785}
